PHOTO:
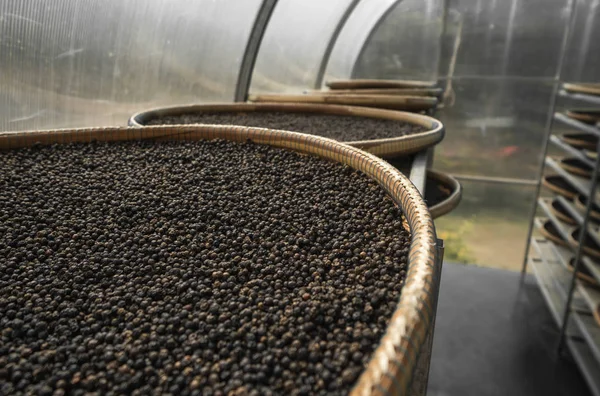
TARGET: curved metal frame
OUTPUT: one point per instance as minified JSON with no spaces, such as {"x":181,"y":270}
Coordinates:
{"x":331,"y":44}
{"x":252,"y":47}
{"x":260,"y":25}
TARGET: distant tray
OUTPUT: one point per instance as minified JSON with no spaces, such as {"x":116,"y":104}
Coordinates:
{"x":374,"y":83}
{"x":589,"y":116}
{"x":583,"y":274}
{"x":550,"y":232}
{"x":592,"y":155}
{"x":446,"y":198}
{"x":585,"y":88}
{"x":392,"y":102}
{"x":580,"y":202}
{"x":559,"y":185}
{"x":580,"y":140}
{"x":561,"y":212}
{"x":590,"y":247}
{"x":576,"y":167}
{"x":385,"y":147}
{"x":380,"y":91}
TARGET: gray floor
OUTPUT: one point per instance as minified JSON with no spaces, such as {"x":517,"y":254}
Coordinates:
{"x":494,"y":338}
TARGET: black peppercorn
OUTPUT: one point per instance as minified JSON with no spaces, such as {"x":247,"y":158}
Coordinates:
{"x":191,"y":268}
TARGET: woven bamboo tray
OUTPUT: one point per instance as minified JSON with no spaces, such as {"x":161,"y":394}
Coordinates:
{"x":580,"y":203}
{"x":597,"y":314}
{"x":590,"y":89}
{"x":454,"y":189}
{"x":392,"y":365}
{"x":549,"y":232}
{"x":590,"y":154}
{"x":372,"y":83}
{"x":437,"y":92}
{"x":392,"y":102}
{"x":589,"y":116}
{"x":385,"y":148}
{"x":589,"y":247}
{"x":580,"y":140}
{"x":576,"y":167}
{"x":561,"y":213}
{"x":551,"y":182}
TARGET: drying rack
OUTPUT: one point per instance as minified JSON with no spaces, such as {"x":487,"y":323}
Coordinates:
{"x":557,"y":267}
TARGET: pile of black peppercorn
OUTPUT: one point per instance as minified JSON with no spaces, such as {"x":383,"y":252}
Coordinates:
{"x":191,"y":268}
{"x":436,"y":191}
{"x":340,"y":127}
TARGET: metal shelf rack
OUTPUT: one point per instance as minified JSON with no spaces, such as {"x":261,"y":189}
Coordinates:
{"x":556,"y":267}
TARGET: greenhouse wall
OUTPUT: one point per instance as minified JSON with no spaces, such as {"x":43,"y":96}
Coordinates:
{"x":501,"y":64}
{"x":294,"y":44}
{"x":91,"y":62}
{"x":390,"y":39}
{"x":404,"y":44}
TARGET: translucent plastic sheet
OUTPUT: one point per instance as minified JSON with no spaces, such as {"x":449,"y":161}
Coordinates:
{"x":91,"y":62}
{"x":506,"y":37}
{"x":354,"y":34}
{"x":500,"y":68}
{"x":582,"y":59}
{"x":294,"y":43}
{"x":496,"y":128}
{"x":390,"y":39}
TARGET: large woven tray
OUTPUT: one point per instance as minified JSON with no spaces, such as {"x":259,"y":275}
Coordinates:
{"x":393,"y":363}
{"x":385,"y":148}
{"x":393,"y":102}
{"x":452,"y":201}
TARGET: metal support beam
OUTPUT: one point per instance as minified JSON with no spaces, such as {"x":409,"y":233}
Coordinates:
{"x":331,"y":44}
{"x":252,"y":47}
{"x":496,"y":180}
{"x":418,"y":171}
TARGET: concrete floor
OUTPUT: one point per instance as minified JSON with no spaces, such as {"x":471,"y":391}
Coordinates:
{"x":494,"y":338}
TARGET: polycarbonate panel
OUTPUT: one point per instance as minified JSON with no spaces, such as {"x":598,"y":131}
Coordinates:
{"x":294,"y":44}
{"x":495,"y":127}
{"x":390,"y":39}
{"x":351,"y":38}
{"x":405,"y":44}
{"x":582,"y":59}
{"x":91,"y":62}
{"x":518,"y":38}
